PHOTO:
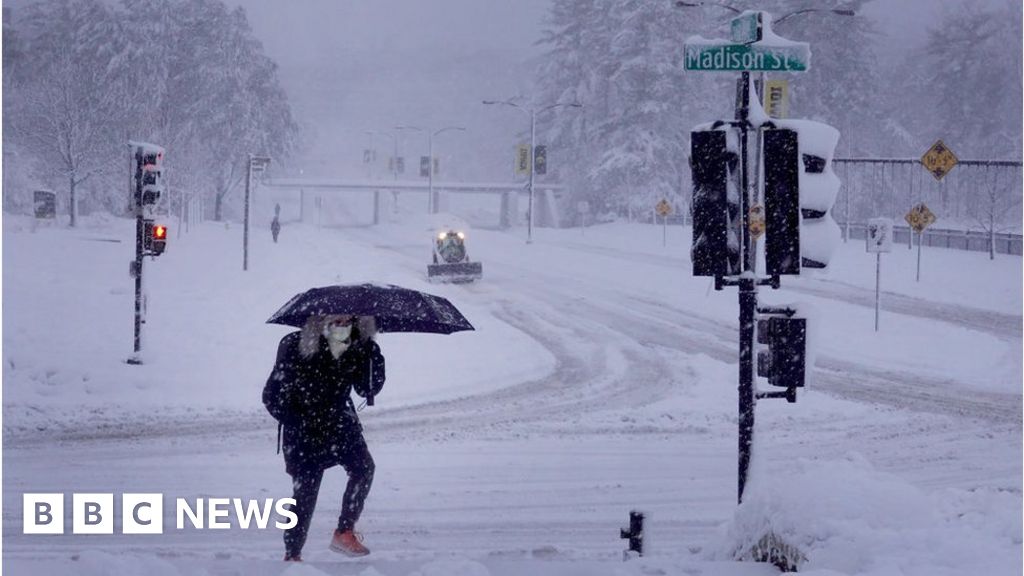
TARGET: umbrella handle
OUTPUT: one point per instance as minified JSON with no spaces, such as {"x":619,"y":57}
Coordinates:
{"x":369,"y":395}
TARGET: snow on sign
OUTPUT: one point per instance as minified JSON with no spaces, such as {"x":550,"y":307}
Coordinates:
{"x":920,"y":217}
{"x":939,"y":160}
{"x":879,"y":238}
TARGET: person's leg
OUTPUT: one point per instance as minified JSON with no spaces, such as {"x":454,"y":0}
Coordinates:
{"x":306,"y":486}
{"x":360,"y":467}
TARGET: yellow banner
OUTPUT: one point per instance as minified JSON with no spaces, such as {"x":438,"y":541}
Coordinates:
{"x":523,"y":159}
{"x":776,"y":102}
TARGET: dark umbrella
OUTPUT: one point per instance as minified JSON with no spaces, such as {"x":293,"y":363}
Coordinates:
{"x":394,"y":308}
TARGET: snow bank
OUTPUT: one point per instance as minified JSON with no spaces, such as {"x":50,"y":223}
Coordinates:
{"x":847,"y":517}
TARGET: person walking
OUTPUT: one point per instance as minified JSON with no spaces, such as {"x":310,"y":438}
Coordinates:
{"x":309,"y":394}
{"x":275,"y":227}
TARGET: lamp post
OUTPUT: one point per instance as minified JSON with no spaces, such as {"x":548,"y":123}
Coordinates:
{"x":533,"y":137}
{"x":431,"y":199}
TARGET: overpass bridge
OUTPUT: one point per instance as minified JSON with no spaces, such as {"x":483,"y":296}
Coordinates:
{"x":445,"y":194}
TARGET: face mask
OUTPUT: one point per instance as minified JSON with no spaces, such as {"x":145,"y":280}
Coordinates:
{"x":338,"y":333}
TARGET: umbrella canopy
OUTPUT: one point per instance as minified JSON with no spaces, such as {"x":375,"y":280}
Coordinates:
{"x":394,"y":308}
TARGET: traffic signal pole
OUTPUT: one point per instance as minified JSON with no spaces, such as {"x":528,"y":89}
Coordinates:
{"x":747,"y":298}
{"x":139,"y":251}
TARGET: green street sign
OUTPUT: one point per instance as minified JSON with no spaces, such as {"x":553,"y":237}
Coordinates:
{"x":746,"y":27}
{"x":721,"y":57}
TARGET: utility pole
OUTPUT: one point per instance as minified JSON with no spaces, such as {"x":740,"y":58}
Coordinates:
{"x":532,"y":111}
{"x":253,"y":163}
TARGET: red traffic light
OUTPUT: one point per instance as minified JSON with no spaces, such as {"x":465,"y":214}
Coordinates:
{"x":160,"y":232}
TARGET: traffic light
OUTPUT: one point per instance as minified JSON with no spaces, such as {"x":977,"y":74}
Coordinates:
{"x":424,"y":166}
{"x":782,"y":202}
{"x":819,"y":233}
{"x":716,"y":244}
{"x":149,"y":168}
{"x":154,"y":238}
{"x":540,"y":160}
{"x":783,"y":363}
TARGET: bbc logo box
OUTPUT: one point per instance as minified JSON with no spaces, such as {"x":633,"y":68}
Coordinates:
{"x":92,"y":513}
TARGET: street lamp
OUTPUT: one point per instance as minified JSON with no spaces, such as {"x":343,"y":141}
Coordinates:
{"x":431,"y":200}
{"x":533,"y":136}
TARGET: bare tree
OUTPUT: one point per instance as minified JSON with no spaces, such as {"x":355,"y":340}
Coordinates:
{"x":1000,"y":204}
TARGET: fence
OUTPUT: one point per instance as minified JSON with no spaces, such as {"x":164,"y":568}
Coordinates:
{"x":975,"y":198}
{"x":973,"y":240}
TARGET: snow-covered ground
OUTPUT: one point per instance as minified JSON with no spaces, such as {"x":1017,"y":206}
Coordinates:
{"x":601,"y":378}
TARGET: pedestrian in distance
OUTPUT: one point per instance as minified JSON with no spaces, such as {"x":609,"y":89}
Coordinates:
{"x":309,"y":394}
{"x":275,"y":227}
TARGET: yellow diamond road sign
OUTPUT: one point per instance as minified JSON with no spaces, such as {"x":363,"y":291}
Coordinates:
{"x":663,"y":208}
{"x":939,"y":160}
{"x":920,"y":217}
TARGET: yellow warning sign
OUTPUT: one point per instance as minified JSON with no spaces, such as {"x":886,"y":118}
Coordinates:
{"x":920,"y":217}
{"x":756,"y":224}
{"x":939,"y":160}
{"x":663,"y":208}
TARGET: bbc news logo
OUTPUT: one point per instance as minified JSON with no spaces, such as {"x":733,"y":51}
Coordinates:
{"x":144,"y":513}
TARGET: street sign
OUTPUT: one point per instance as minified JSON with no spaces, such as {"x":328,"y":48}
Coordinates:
{"x":663,"y":208}
{"x":879,"y":238}
{"x":939,"y":160}
{"x":756,"y":220}
{"x":718,"y":56}
{"x":920,"y":217}
{"x":523,"y":159}
{"x":776,"y":100}
{"x":746,"y":27}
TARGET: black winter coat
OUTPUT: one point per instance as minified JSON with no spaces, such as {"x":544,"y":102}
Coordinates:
{"x":311,"y":398}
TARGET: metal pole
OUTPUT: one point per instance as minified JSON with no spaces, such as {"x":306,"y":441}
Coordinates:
{"x":394,"y":165}
{"x":920,"y":236}
{"x":139,"y":233}
{"x":878,"y":285}
{"x":533,"y":135}
{"x":664,"y":231}
{"x":245,"y":225}
{"x":431,"y":202}
{"x":748,"y":305}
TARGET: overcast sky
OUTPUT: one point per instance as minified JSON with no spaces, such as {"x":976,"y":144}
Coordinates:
{"x":357,"y":66}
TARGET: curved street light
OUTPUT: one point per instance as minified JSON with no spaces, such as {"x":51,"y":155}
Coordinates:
{"x":533,"y":136}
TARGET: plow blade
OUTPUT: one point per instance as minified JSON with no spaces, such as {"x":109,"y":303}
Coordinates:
{"x":461,"y":272}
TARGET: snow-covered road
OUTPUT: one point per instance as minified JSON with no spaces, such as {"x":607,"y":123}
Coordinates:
{"x":601,"y":379}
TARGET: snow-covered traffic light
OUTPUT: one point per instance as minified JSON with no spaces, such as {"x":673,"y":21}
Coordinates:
{"x":783,"y":363}
{"x":155,"y":238}
{"x":716,"y":244}
{"x":819,"y":233}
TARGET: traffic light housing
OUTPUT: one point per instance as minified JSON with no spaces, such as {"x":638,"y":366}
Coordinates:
{"x":149,"y":173}
{"x":154,"y":238}
{"x":784,"y":361}
{"x":782,"y":202}
{"x":819,"y":186}
{"x":540,"y":160}
{"x":715,"y":247}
